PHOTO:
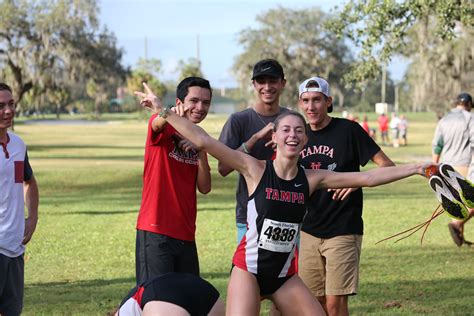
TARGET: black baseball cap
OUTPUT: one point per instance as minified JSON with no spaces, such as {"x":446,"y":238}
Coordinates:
{"x":464,"y":97}
{"x":268,"y":67}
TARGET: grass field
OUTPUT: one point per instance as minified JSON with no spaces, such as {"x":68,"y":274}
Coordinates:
{"x":81,"y":258}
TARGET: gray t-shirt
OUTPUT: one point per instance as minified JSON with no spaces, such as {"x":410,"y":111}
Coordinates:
{"x":239,"y":128}
{"x":454,"y":135}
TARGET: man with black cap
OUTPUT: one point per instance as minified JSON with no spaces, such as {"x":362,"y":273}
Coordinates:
{"x":452,"y":142}
{"x":331,"y":235}
{"x":250,"y":130}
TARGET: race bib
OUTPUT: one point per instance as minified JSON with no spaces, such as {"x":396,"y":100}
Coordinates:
{"x":278,"y":236}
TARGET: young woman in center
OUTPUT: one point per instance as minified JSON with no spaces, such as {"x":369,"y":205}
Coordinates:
{"x":264,"y":266}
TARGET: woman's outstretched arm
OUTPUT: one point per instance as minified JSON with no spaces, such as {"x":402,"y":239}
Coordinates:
{"x":371,"y":178}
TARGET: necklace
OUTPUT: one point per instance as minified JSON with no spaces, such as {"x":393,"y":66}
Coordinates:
{"x":260,"y":117}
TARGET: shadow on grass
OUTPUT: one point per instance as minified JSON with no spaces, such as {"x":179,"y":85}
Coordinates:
{"x":112,"y":158}
{"x":214,"y":209}
{"x":41,"y":148}
{"x":98,"y":212}
{"x":78,"y":284}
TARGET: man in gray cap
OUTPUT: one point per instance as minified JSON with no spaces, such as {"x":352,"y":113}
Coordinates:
{"x":452,"y":142}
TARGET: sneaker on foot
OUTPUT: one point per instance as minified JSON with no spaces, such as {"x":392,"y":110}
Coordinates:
{"x":451,"y":204}
{"x":458,"y":182}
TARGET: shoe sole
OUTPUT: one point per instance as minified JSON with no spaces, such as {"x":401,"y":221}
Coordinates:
{"x":454,"y":207}
{"x":458,"y":182}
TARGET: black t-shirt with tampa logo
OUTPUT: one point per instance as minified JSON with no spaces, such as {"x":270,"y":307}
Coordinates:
{"x":341,"y":146}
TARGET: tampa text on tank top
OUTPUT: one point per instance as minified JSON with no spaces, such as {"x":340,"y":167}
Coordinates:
{"x":275,"y":212}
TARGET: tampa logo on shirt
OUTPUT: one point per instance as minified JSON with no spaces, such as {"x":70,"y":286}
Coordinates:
{"x":317,"y":150}
{"x":284,"y":196}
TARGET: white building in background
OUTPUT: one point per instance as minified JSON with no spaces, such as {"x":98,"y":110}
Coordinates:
{"x":383,"y":108}
{"x":224,"y":108}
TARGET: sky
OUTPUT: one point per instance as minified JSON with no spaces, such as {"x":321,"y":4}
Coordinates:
{"x":169,"y":30}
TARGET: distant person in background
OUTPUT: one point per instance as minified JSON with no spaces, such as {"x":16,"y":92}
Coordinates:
{"x":367,"y":129}
{"x":365,"y":124}
{"x":174,"y":170}
{"x":250,"y":130}
{"x":403,"y":130}
{"x":382,"y":120}
{"x":452,"y":142}
{"x":17,"y":187}
{"x":394,"y":121}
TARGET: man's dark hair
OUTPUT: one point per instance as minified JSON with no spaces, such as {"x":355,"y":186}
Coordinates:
{"x":183,"y":87}
{"x":4,"y":86}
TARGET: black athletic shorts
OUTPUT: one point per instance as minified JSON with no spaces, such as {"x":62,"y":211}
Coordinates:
{"x":268,"y":284}
{"x":157,"y":254}
{"x":11,"y":285}
{"x":195,"y":295}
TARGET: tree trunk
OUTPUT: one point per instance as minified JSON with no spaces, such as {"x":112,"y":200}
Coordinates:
{"x":97,"y":107}
{"x":58,"y":110}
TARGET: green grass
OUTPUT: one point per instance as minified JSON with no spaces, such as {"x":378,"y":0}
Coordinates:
{"x":81,"y":258}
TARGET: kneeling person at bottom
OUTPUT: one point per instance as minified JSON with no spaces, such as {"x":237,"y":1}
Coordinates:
{"x":172,"y":294}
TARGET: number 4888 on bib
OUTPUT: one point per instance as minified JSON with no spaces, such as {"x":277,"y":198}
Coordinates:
{"x":277,"y":236}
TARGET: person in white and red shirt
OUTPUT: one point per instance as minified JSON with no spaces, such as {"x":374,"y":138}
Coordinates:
{"x":17,"y":185}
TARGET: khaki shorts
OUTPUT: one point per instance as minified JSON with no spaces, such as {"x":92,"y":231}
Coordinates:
{"x":330,"y":266}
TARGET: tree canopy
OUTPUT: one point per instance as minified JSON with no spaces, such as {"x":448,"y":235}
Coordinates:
{"x":379,"y":29}
{"x":189,"y":68}
{"x":147,"y":70}
{"x":298,"y":40}
{"x":49,"y":46}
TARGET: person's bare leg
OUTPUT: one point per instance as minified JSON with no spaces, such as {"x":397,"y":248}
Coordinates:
{"x":294,"y":298}
{"x":243,"y":294}
{"x":155,"y":308}
{"x":322,"y":301}
{"x":218,"y":309}
{"x":274,"y":311}
{"x":459,"y":224}
{"x":337,"y":305}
